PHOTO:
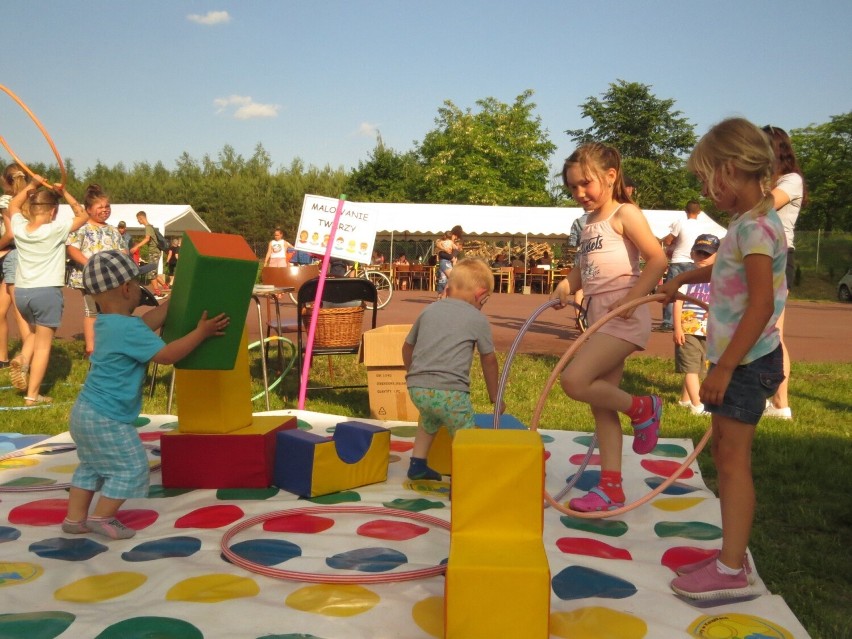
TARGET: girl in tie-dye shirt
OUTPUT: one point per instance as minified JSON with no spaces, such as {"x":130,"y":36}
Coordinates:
{"x":747,"y":294}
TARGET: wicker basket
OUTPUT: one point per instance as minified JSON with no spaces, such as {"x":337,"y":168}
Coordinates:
{"x":339,"y":327}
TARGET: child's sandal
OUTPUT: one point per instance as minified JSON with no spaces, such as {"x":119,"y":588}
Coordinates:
{"x":38,"y":399}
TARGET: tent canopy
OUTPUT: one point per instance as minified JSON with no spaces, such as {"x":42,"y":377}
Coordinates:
{"x":426,"y":221}
{"x":171,"y":219}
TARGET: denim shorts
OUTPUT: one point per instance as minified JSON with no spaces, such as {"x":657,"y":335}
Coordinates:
{"x":10,"y":264}
{"x":41,"y":306}
{"x":450,"y":408}
{"x":751,"y":385}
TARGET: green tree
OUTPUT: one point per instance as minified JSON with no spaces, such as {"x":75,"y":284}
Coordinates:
{"x":498,"y":155}
{"x":651,"y":135}
{"x":387,"y":176}
{"x":825,"y":156}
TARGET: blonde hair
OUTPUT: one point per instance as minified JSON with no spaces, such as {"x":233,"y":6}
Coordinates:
{"x":595,"y":159}
{"x":736,"y":144}
{"x":14,"y":177}
{"x":470,"y":274}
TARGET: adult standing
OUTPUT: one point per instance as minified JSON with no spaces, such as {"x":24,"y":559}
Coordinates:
{"x":679,"y":242}
{"x":158,"y":283}
{"x":93,"y":237}
{"x":14,"y":181}
{"x":449,"y":249}
{"x":790,"y":195}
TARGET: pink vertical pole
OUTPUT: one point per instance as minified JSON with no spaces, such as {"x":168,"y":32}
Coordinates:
{"x":312,"y":327}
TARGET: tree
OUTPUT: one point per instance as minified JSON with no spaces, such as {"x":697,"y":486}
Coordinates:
{"x":652,"y":137}
{"x":825,"y":157}
{"x":496,"y":156}
{"x":387,"y":176}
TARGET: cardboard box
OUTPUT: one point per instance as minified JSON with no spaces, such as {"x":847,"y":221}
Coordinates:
{"x":381,"y":353}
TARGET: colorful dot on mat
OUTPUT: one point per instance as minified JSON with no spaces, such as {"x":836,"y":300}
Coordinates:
{"x":63,"y":469}
{"x":213,"y":588}
{"x":595,"y":622}
{"x":428,"y":487}
{"x":392,"y":459}
{"x":591,"y":548}
{"x":670,"y":450}
{"x":7,"y":533}
{"x":266,"y":552}
{"x":583,"y":440}
{"x":367,"y":560}
{"x":343,"y":497}
{"x":169,"y":426}
{"x":18,"y":462}
{"x":42,"y":512}
{"x":141,"y":421}
{"x":414,"y":505}
{"x":246,"y":494}
{"x":301,"y":424}
{"x":547,"y":454}
{"x":210,"y":517}
{"x":333,"y":600}
{"x":35,"y":625}
{"x":307,"y":524}
{"x":15,"y":573}
{"x":674,"y":558}
{"x":676,"y":488}
{"x":401,"y":447}
{"x":665,"y":468}
{"x":674,"y":504}
{"x":546,"y":439}
{"x":180,"y":546}
{"x":403,"y":431}
{"x":150,"y":437}
{"x":101,"y":587}
{"x":733,"y":624}
{"x":588,"y":480}
{"x":31,"y":482}
{"x":594,"y":460}
{"x":606,"y":527}
{"x":428,"y":614}
{"x":145,"y":627}
{"x":391,"y":530}
{"x":137,"y":518}
{"x":79,"y":549}
{"x":578,"y":582}
{"x":15,"y":441}
{"x":156,"y":491}
{"x":688,"y":529}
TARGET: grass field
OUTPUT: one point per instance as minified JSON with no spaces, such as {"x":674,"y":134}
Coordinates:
{"x":802,"y":469}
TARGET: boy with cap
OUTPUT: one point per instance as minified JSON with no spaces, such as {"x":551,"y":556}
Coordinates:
{"x":690,"y":329}
{"x":111,"y":455}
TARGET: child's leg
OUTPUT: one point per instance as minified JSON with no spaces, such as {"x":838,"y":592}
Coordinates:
{"x":418,"y":469}
{"x":5,"y":303}
{"x":691,"y":385}
{"x":422,"y":442}
{"x":586,"y":377}
{"x":732,"y":441}
{"x":79,"y":500}
{"x":107,"y":507}
{"x":42,"y":341}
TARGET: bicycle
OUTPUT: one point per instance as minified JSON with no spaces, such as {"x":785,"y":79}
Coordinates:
{"x":383,"y":284}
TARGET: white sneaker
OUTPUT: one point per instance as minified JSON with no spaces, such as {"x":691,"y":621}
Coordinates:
{"x":698,"y":409}
{"x":781,"y":413}
{"x":685,"y":404}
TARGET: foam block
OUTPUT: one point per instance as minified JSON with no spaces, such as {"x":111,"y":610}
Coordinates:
{"x":216,"y":274}
{"x":240,"y":459}
{"x":310,"y":465}
{"x":498,"y":578}
{"x":215,"y":401}
{"x":439,"y":457}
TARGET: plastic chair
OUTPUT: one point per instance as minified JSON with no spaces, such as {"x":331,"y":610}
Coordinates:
{"x":342,"y":298}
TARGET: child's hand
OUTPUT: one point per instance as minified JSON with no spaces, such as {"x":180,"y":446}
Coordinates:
{"x":562,"y":293}
{"x":624,"y":314}
{"x":214,"y":325}
{"x":501,"y":408}
{"x":669,"y":289}
{"x":713,"y":389}
{"x":678,"y":336}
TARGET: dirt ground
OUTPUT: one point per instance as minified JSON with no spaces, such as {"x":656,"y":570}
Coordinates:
{"x":815,"y":332}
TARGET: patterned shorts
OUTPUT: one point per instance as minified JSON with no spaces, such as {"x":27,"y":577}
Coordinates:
{"x":111,"y":455}
{"x":449,"y":408}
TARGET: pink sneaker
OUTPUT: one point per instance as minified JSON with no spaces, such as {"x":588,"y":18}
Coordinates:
{"x":645,"y":434}
{"x":111,"y":528}
{"x":708,"y":583}
{"x":697,"y":565}
{"x":593,"y":501}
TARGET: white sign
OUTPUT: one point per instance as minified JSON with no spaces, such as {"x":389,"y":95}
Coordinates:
{"x":355,"y":234}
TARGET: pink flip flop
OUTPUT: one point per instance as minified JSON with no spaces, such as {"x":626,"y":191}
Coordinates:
{"x":593,"y":501}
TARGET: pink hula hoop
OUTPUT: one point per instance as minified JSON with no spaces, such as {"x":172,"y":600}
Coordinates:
{"x":560,"y":366}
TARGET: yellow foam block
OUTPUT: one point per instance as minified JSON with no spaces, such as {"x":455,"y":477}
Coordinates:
{"x":440,"y":455}
{"x":332,"y":474}
{"x":498,"y":579}
{"x":211,"y":401}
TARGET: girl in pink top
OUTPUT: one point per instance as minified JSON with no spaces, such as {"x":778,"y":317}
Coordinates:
{"x":616,"y":234}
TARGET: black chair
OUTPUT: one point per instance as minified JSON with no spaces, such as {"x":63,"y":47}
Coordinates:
{"x":342,"y":298}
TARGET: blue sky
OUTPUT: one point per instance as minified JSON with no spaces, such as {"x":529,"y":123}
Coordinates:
{"x":146,"y":81}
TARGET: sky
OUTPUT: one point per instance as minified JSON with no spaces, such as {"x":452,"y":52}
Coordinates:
{"x":126,"y":82}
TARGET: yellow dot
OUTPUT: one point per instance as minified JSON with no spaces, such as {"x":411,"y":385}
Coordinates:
{"x":333,"y":600}
{"x":213,"y":588}
{"x":672,"y":504}
{"x":596,"y":623}
{"x":101,"y":587}
{"x":428,"y":614}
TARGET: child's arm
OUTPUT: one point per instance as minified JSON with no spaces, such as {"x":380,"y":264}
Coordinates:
{"x":180,"y":348}
{"x":761,"y":305}
{"x":567,"y":287}
{"x":635,"y":227}
{"x":268,"y":255}
{"x":80,"y":215}
{"x":491,"y":374}
{"x":8,"y":234}
{"x":407,"y":351}
{"x":695,"y":276}
{"x":156,"y":317}
{"x":677,"y":334}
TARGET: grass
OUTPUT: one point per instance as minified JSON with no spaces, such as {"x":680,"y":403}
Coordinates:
{"x":802,"y":469}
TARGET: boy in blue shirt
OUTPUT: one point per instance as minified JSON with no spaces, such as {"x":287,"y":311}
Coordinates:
{"x":112,"y":458}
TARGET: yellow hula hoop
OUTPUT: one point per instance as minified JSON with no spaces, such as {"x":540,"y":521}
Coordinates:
{"x":557,"y":370}
{"x":63,"y":175}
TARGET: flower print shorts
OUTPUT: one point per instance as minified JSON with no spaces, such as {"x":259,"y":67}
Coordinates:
{"x":450,"y":408}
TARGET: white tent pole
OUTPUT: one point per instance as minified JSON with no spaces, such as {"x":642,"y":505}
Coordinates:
{"x":526,"y":257}
{"x":390,"y":258}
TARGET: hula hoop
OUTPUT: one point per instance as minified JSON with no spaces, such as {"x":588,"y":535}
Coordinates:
{"x":266,"y":340}
{"x":63,"y":176}
{"x":557,"y":370}
{"x":318,"y":578}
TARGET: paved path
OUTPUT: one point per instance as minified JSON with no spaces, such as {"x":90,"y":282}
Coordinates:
{"x":817,"y":332}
